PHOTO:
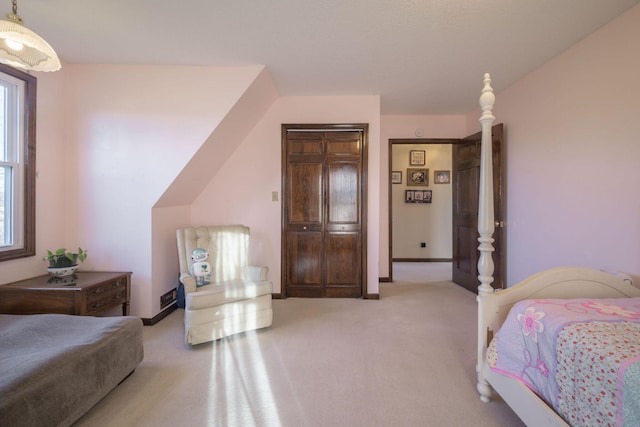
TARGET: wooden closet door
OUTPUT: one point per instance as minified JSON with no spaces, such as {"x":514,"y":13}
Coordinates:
{"x":304,"y":215}
{"x":343,"y":237}
{"x":322,"y":216}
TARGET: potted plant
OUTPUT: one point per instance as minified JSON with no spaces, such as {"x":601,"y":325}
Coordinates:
{"x":63,"y":263}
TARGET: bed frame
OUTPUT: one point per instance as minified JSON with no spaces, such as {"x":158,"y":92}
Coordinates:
{"x":494,"y":305}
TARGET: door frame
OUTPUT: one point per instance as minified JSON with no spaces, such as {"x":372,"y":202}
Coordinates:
{"x":334,"y":127}
{"x":404,"y":141}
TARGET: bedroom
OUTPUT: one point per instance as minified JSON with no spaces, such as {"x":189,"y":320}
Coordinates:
{"x":553,"y":122}
{"x":564,"y":185}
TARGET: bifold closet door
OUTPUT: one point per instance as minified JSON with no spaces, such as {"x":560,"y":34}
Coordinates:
{"x":322,"y":218}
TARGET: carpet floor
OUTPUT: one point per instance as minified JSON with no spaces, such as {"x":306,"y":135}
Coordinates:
{"x":407,"y":359}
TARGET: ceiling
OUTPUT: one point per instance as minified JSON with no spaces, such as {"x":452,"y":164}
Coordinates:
{"x":420,"y":56}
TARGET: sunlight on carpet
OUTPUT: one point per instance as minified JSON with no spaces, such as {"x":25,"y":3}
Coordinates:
{"x":407,"y":359}
{"x":240,"y":393}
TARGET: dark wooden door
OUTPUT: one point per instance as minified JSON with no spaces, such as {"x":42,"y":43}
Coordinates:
{"x":466,"y":179}
{"x":323,"y":205}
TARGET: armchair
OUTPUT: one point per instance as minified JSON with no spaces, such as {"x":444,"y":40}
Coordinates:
{"x":238,"y":299}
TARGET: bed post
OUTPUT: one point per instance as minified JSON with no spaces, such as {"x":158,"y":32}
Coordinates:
{"x":485,"y":228}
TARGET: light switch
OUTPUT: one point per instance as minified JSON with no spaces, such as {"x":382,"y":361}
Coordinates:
{"x":274,"y":196}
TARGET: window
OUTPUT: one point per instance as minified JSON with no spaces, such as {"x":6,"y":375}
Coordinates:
{"x":17,"y":163}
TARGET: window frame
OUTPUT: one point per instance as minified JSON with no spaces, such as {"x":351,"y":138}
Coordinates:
{"x":27,"y":247}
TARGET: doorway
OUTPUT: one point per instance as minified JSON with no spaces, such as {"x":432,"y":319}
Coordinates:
{"x":464,"y":163}
{"x":423,"y":235}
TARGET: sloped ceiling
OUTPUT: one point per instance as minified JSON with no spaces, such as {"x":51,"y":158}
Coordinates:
{"x":420,"y":56}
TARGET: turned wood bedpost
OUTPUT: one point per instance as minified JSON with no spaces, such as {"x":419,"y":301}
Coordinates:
{"x":486,"y":227}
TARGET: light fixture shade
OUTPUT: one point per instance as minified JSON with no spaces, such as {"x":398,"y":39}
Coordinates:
{"x":36,"y":54}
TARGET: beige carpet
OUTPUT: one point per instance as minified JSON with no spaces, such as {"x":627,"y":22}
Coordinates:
{"x":407,"y":359}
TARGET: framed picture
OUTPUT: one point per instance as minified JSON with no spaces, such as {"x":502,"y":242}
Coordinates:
{"x":417,"y":176}
{"x":417,"y":196}
{"x":416,"y":157}
{"x":441,"y":177}
{"x":396,"y":177}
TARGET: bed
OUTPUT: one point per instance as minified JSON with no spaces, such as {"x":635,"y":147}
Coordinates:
{"x":55,"y":367}
{"x":535,"y":379}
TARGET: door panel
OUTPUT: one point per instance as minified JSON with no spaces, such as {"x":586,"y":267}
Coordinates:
{"x":343,"y":272}
{"x":467,"y":256}
{"x":466,"y":176}
{"x":304,"y":273}
{"x":305,"y":144}
{"x":344,"y":144}
{"x":466,"y":182}
{"x":342,"y":188}
{"x":305,"y":188}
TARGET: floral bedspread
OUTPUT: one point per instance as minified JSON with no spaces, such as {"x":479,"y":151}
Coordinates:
{"x":582,"y":356}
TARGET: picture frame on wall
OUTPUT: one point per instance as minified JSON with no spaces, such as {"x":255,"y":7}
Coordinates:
{"x":417,"y":157}
{"x":396,"y":177}
{"x":417,"y":196}
{"x":417,"y":176}
{"x":441,"y":177}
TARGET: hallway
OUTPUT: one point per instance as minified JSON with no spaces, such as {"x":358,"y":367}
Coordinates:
{"x":421,"y":272}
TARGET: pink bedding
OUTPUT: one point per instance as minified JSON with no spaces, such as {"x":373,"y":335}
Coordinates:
{"x":582,"y":356}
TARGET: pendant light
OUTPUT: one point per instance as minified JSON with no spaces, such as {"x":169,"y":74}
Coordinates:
{"x":22,"y":48}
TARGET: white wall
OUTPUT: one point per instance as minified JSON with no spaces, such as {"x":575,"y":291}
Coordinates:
{"x":572,"y":132}
{"x":128,"y":131}
{"x":241,"y":191}
{"x":173,"y":210}
{"x":430,"y":223}
{"x":134,"y":128}
{"x":123,"y":140}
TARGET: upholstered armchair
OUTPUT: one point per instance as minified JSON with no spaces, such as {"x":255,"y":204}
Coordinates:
{"x":238,"y":299}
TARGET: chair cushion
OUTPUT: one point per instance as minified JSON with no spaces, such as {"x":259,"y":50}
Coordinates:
{"x":251,"y":314}
{"x":221,"y":293}
{"x":244,"y":309}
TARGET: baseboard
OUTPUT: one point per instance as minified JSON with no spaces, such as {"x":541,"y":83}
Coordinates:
{"x":384,"y":279}
{"x":422,"y":259}
{"x":158,"y":317}
{"x":367,"y":296}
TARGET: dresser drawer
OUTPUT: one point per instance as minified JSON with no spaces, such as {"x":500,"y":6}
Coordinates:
{"x":107,"y":294}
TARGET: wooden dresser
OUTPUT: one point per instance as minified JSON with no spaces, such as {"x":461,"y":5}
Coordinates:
{"x":85,"y":293}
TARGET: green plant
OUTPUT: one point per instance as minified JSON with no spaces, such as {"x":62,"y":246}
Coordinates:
{"x":61,"y":256}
